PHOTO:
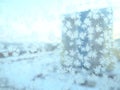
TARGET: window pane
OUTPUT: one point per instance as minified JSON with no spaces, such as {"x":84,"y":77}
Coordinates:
{"x":59,"y":45}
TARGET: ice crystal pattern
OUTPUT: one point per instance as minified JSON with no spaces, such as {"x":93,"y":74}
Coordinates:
{"x":87,"y":38}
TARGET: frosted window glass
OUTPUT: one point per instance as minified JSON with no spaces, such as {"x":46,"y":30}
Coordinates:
{"x":59,"y":45}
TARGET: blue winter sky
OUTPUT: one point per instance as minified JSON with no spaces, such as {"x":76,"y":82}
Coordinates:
{"x":39,"y":20}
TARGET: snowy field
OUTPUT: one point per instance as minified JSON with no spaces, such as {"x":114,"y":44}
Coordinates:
{"x":38,"y":66}
{"x":43,"y":71}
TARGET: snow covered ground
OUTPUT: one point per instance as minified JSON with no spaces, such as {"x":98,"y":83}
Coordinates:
{"x":23,"y":67}
{"x":43,"y":71}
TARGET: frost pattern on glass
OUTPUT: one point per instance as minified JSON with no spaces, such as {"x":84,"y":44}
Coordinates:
{"x":87,"y":40}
